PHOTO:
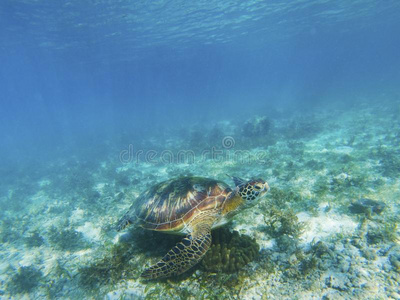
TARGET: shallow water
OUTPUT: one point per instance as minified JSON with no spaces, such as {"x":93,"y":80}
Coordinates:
{"x":101,"y":101}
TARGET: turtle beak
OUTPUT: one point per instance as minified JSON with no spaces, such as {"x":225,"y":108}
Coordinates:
{"x":265,"y":189}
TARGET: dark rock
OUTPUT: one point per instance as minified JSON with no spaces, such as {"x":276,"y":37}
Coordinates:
{"x":367,"y":206}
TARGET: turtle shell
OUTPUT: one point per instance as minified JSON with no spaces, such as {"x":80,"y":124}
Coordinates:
{"x":167,"y":205}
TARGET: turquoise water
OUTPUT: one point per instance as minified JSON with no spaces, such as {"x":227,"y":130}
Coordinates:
{"x":101,"y":100}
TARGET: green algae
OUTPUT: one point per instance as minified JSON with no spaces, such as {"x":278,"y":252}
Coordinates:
{"x":34,"y":239}
{"x":118,"y":260}
{"x":306,"y":265}
{"x":59,"y":277}
{"x":25,"y":280}
{"x":389,"y":161}
{"x":349,"y":179}
{"x":302,"y":264}
{"x":19,"y":197}
{"x":66,"y":239}
{"x":320,"y":249}
{"x":395,"y":262}
{"x":283,"y":225}
{"x":321,"y":187}
{"x":280,"y":198}
{"x":117,"y":264}
{"x":257,"y":127}
{"x":79,"y":180}
{"x":286,"y":243}
{"x":384,"y":232}
{"x":110,"y":269}
{"x":91,"y":196}
{"x":8,"y":233}
{"x":315,"y":165}
{"x":229,"y":252}
{"x":282,"y":222}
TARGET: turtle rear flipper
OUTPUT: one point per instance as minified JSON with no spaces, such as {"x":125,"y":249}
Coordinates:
{"x":183,"y":256}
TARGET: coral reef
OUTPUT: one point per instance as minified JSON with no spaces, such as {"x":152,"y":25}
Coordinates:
{"x":303,"y":128}
{"x":257,"y":127}
{"x":229,"y":252}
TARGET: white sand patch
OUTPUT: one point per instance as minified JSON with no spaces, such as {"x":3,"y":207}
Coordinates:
{"x":90,"y":231}
{"x":248,"y":228}
{"x":100,"y":186}
{"x":77,"y":215}
{"x":324,"y":225}
{"x":50,"y":263}
{"x":30,"y":257}
{"x":117,"y":237}
{"x":4,"y":264}
{"x":317,"y":228}
{"x":125,"y":167}
{"x":163,"y":171}
{"x":38,"y":200}
{"x":306,"y":193}
{"x":135,"y":290}
{"x":343,"y":150}
{"x":83,"y":253}
{"x":266,"y":244}
{"x":43,"y":183}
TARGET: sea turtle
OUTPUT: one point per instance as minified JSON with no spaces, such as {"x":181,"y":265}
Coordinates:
{"x":190,"y":206}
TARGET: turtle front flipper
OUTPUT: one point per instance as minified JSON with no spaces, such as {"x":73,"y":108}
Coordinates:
{"x":183,"y":256}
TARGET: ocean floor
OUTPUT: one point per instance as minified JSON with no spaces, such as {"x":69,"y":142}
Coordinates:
{"x":328,"y":228}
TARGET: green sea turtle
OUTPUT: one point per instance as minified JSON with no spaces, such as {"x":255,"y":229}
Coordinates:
{"x":190,"y":206}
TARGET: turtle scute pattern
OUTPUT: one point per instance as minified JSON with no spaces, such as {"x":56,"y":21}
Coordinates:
{"x":165,"y":204}
{"x":171,"y":200}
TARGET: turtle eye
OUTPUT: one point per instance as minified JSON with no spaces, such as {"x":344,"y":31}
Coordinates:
{"x":257,"y":187}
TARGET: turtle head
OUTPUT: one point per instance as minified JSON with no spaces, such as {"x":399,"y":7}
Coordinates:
{"x":245,"y":195}
{"x":251,"y":191}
